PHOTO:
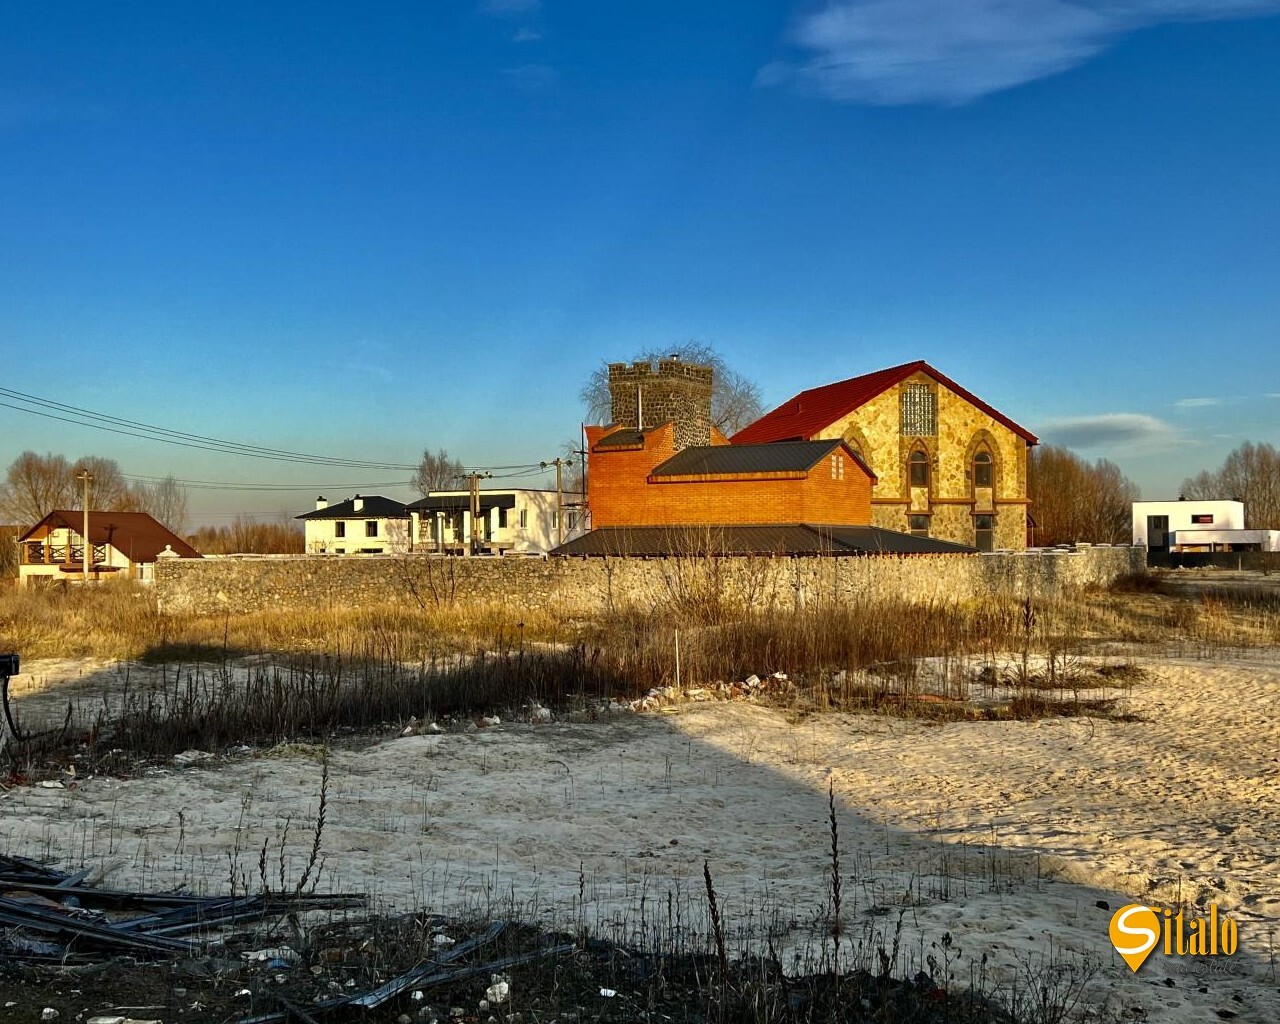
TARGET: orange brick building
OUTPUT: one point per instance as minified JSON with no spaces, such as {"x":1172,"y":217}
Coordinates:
{"x":639,"y":478}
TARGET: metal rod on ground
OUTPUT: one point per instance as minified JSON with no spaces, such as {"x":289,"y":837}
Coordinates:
{"x":677,"y":660}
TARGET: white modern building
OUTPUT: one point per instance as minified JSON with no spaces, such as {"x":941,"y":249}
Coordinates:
{"x":361,"y":525}
{"x":1211,"y":525}
{"x":519,"y":520}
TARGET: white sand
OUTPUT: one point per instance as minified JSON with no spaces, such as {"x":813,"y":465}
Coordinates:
{"x":1002,"y":834}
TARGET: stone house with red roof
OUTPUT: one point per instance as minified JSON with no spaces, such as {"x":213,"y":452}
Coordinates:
{"x":946,"y":464}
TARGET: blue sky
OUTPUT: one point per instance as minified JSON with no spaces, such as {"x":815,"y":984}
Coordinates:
{"x":360,"y":231}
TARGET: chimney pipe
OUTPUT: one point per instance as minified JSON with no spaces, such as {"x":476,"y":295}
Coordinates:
{"x":357,"y":503}
{"x":321,"y":503}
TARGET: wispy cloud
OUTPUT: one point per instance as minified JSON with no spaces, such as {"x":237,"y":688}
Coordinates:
{"x":926,"y":51}
{"x":526,"y":35}
{"x":1196,"y":403}
{"x":532,"y":77}
{"x":510,"y":8}
{"x":1108,"y":430}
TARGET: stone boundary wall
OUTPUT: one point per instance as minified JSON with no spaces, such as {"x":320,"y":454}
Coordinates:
{"x":579,"y":586}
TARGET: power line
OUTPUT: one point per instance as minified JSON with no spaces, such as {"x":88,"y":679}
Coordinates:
{"x":134,"y":428}
{"x":34,"y":405}
{"x":227,"y":485}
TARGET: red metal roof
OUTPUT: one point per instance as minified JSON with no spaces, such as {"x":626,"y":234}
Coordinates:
{"x":136,"y":535}
{"x":811,"y":411}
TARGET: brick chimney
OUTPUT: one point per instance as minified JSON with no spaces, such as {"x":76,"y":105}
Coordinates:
{"x":676,"y":391}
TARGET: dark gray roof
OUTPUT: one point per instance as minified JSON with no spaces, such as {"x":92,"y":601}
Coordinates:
{"x":622,"y":439}
{"x":375,"y":507}
{"x":764,"y":539}
{"x":461,"y":502}
{"x":727,"y":459}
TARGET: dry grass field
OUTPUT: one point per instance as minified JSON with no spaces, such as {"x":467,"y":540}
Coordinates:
{"x":960,"y":794}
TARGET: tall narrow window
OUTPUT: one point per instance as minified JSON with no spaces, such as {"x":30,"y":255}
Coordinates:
{"x":919,"y":407}
{"x":983,"y":471}
{"x":371,"y":528}
{"x":339,"y":529}
{"x":524,"y":519}
{"x":984,"y":532}
{"x":918,"y":469}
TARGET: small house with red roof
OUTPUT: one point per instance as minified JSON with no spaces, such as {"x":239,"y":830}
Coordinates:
{"x":946,"y":464}
{"x":121,"y":545}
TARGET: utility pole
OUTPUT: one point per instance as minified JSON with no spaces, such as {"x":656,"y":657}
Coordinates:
{"x":87,"y":545}
{"x":474,"y":502}
{"x":559,"y":464}
{"x":473,"y":487}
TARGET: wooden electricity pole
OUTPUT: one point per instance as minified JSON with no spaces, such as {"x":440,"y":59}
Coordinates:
{"x":559,"y":464}
{"x":86,"y":545}
{"x":473,"y":487}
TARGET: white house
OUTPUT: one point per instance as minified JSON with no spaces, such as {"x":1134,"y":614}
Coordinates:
{"x":519,"y":520}
{"x":1209,"y":525}
{"x":121,"y":545}
{"x":361,"y":525}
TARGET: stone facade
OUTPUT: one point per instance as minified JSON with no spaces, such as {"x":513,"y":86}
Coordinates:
{"x":676,"y":392}
{"x":951,"y":500}
{"x":582,"y":586}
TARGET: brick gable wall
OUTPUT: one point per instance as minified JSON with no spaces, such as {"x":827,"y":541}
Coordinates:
{"x":620,"y":491}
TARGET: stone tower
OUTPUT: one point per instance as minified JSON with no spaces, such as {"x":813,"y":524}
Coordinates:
{"x":676,"y":391}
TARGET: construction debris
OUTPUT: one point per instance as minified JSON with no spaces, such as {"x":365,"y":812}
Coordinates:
{"x":54,"y":922}
{"x":48,"y":916}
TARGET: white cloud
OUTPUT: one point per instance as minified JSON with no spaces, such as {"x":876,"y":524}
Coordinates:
{"x":1196,"y":403}
{"x":1109,"y":429}
{"x":526,"y":35}
{"x":951,"y":51}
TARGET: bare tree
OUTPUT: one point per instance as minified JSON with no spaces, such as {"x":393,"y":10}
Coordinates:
{"x":735,"y":398}
{"x":1075,"y":500}
{"x":108,"y":490}
{"x":165,"y":501}
{"x":8,"y":552}
{"x":437,"y":472}
{"x":34,"y":486}
{"x":249,"y":536}
{"x":1250,"y":474}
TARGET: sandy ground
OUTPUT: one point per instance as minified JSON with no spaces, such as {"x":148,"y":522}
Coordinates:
{"x":1003,"y":835}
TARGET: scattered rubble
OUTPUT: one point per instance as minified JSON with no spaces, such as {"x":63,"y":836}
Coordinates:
{"x":751,"y":688}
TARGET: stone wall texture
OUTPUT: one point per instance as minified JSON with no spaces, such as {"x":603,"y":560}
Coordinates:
{"x":676,"y":391}
{"x":578,"y":586}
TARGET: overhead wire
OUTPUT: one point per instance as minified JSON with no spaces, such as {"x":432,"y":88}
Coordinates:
{"x":135,"y":428}
{"x":34,"y":405}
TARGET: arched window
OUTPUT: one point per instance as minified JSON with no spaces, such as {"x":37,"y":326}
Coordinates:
{"x":983,"y":470}
{"x":918,"y":469}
